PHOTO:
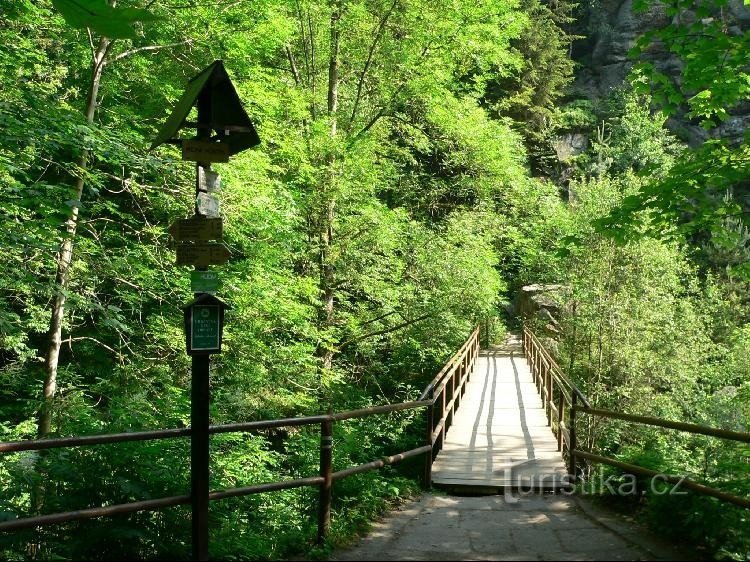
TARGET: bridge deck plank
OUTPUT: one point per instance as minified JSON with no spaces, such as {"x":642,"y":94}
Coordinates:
{"x":500,"y":435}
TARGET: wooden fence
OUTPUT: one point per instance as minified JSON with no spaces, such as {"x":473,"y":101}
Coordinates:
{"x":564,"y":402}
{"x":441,"y":398}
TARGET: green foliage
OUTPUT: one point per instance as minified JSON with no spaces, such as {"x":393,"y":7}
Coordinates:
{"x":692,"y":196}
{"x":713,"y":77}
{"x":423,"y":177}
{"x":578,"y":115}
{"x":101,"y":17}
{"x":704,"y":193}
{"x":656,"y":327}
{"x":374,"y":232}
{"x":529,"y":90}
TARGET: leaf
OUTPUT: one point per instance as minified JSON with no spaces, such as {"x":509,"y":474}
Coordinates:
{"x":115,"y":23}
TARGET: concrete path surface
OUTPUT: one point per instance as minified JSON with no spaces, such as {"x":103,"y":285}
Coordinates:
{"x":535,"y":527}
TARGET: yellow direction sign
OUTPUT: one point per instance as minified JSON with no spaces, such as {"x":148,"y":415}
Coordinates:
{"x":202,"y":254}
{"x":197,"y":228}
{"x":205,"y":151}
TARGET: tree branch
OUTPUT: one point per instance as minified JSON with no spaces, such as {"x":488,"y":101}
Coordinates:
{"x":96,"y":341}
{"x":293,"y":66}
{"x":384,"y":110}
{"x":381,"y":317}
{"x":130,"y":52}
{"x":384,"y":331}
{"x":368,"y":62}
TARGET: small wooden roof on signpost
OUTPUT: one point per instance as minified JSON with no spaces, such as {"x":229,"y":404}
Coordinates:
{"x":206,"y":298}
{"x":213,"y":86}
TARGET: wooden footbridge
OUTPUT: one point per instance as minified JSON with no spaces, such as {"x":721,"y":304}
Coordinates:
{"x":500,"y":437}
{"x":499,"y":418}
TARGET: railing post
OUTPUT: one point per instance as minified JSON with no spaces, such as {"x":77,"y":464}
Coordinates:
{"x":467,"y":368}
{"x":454,"y":399}
{"x":560,"y":418}
{"x":430,"y":456}
{"x":326,"y":471}
{"x":459,"y":375}
{"x":548,"y":373}
{"x":573,"y":438}
{"x":443,"y":418}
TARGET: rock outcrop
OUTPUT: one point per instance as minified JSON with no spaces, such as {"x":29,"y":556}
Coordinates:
{"x":611,"y":28}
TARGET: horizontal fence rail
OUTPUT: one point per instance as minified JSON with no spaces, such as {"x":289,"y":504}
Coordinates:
{"x":563,"y":402}
{"x":447,"y":386}
{"x":680,"y":426}
{"x":676,"y":480}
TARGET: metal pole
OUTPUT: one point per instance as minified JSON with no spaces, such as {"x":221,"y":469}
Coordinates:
{"x":199,"y":455}
{"x":326,"y":471}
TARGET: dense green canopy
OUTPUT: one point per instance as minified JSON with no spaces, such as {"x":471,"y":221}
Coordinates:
{"x":416,"y":172}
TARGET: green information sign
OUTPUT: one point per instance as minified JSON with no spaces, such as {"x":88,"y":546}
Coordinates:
{"x":204,"y":281}
{"x":205,"y":326}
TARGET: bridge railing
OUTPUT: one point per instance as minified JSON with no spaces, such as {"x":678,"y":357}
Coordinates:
{"x":441,"y":398}
{"x":444,"y":394}
{"x":563,"y":402}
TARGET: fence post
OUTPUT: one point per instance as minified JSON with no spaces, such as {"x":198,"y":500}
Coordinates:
{"x":460,"y":370}
{"x":453,"y":393}
{"x":326,"y":471}
{"x":573,"y":438}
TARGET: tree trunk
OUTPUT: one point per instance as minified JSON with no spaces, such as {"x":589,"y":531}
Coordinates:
{"x":328,"y":200}
{"x":65,"y":254}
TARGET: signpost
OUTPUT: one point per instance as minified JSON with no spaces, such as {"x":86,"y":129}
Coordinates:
{"x":197,"y":228}
{"x":204,"y":281}
{"x":203,"y":254}
{"x":204,"y":325}
{"x":206,"y":204}
{"x":204,"y":151}
{"x":223,"y":129}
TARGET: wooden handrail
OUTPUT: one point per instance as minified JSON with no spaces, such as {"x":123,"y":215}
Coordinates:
{"x":542,"y":364}
{"x":461,"y":361}
{"x":474,"y":337}
{"x":62,"y":442}
{"x":677,"y":480}
{"x":451,"y":378}
{"x":557,"y":372}
{"x":669,"y":424}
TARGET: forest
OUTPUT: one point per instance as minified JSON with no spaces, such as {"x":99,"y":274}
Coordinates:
{"x":420,"y":162}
